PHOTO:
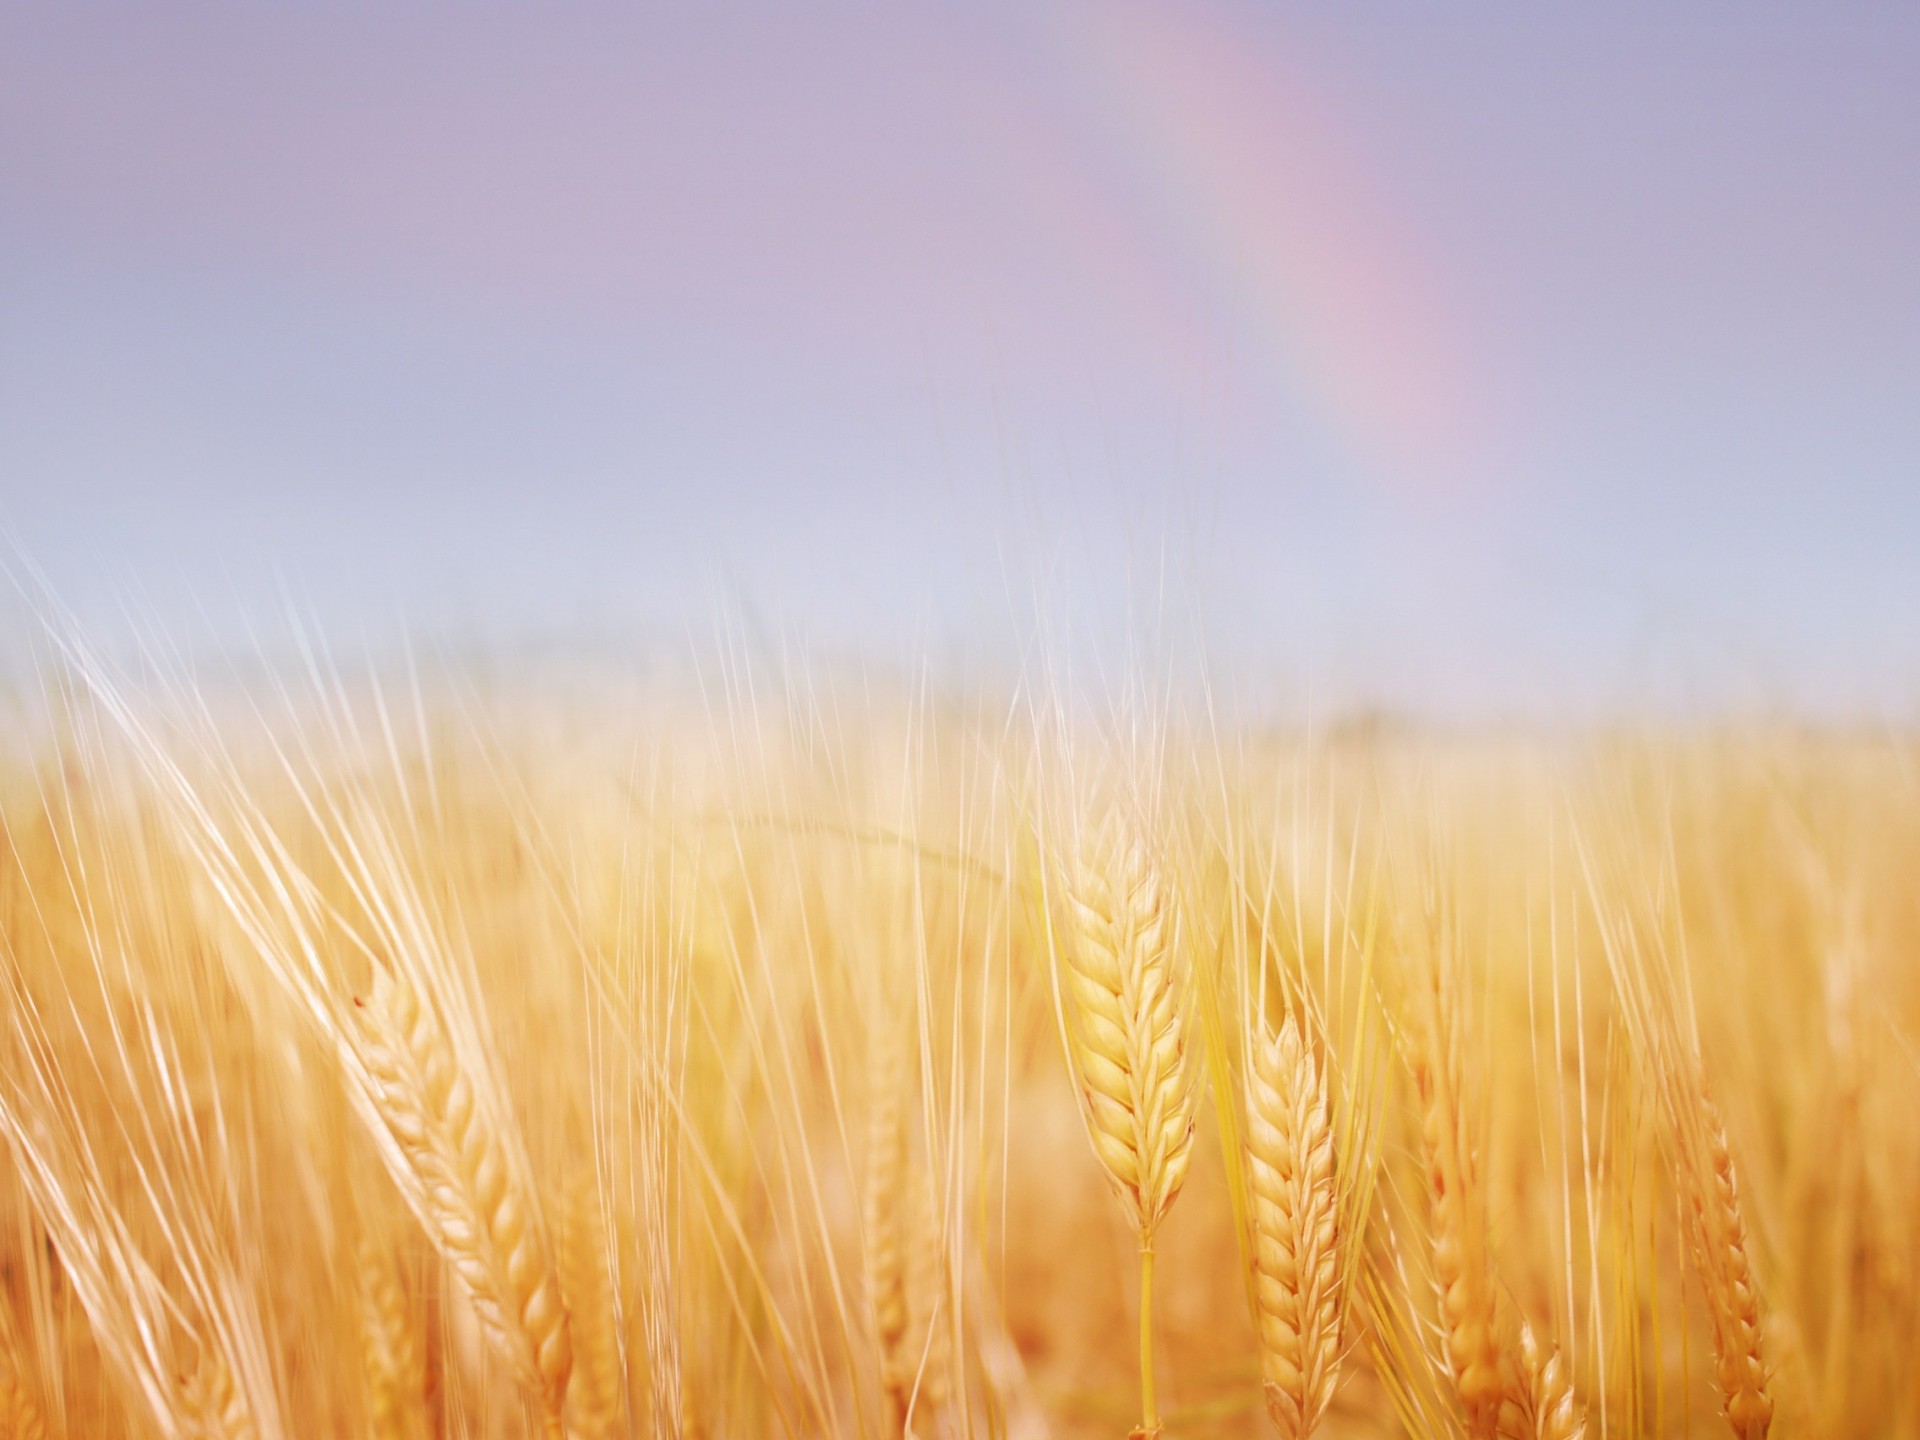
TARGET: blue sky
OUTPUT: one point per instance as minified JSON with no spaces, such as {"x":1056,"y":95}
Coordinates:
{"x":1486,"y":361}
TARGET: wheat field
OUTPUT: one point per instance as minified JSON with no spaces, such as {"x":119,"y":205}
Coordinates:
{"x":411,"y":1060}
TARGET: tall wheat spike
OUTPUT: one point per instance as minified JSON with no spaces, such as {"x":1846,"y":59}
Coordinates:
{"x":1296,"y":1231}
{"x":391,"y":1352}
{"x":460,"y":1184}
{"x":1127,"y":1042}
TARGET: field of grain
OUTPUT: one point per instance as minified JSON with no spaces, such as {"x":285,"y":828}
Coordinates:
{"x":408,"y":1061}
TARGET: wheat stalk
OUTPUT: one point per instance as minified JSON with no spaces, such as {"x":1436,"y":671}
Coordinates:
{"x":1127,"y":1044}
{"x":1296,"y":1232}
{"x":456,"y":1176}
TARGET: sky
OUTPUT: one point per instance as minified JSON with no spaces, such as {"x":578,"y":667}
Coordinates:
{"x":1480,"y":360}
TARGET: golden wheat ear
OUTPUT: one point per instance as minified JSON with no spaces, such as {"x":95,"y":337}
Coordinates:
{"x":1461,"y":1263}
{"x":390,"y":1348}
{"x":1538,"y":1403}
{"x":595,"y":1397}
{"x":211,"y":1406}
{"x":883,"y":1205}
{"x":929,"y":1331}
{"x":20,"y":1417}
{"x":1296,"y":1231}
{"x":1718,"y":1233}
{"x":1127,"y":1041}
{"x":453,"y":1169}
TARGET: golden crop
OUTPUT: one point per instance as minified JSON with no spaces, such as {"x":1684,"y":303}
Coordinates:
{"x":395,"y":1067}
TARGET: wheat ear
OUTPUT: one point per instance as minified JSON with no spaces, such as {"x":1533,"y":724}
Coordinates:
{"x":1719,"y":1236}
{"x":459,"y":1182}
{"x":20,"y":1418}
{"x":390,"y":1348}
{"x":1538,"y":1403}
{"x":599,"y":1380}
{"x":882,"y":1206}
{"x":930,"y":1337}
{"x":1296,"y":1232}
{"x":212,"y":1407}
{"x":1461,"y":1263}
{"x":1127,"y":1045}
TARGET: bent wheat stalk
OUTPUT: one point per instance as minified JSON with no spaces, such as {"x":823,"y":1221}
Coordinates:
{"x":453,"y":1169}
{"x":1296,"y":1232}
{"x":1127,"y":1045}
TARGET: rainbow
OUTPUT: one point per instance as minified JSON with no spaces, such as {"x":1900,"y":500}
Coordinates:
{"x":1236,"y":159}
